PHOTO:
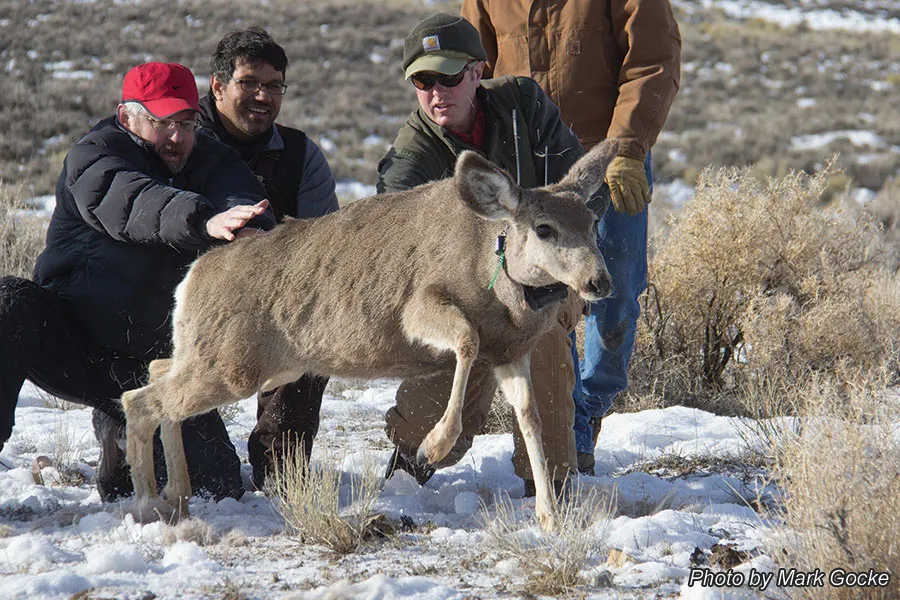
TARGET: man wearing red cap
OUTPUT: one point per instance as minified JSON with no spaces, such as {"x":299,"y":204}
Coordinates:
{"x":139,"y":198}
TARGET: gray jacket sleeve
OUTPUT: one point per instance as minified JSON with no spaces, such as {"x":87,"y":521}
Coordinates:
{"x":316,"y":196}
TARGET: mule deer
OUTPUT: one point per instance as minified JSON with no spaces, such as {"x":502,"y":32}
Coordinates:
{"x":391,"y":286}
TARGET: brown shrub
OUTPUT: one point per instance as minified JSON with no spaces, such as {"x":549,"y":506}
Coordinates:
{"x":308,"y":497}
{"x":842,"y":481}
{"x":22,"y":233}
{"x":754,"y":281}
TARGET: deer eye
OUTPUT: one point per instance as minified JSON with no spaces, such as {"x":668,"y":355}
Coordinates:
{"x":543,"y":231}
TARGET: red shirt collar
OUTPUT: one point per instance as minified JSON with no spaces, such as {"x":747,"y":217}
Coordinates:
{"x":476,"y":137}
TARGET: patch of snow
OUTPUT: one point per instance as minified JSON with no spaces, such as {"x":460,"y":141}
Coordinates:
{"x":817,"y":18}
{"x":858,"y":138}
{"x":73,"y":75}
{"x":353,"y":190}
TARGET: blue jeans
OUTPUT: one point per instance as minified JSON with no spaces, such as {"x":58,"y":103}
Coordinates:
{"x":610,"y":328}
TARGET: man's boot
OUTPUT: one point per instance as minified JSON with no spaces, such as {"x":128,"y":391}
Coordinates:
{"x":287,"y":422}
{"x":399,"y":460}
{"x":561,"y":489}
{"x":113,"y":474}
{"x":586,"y":459}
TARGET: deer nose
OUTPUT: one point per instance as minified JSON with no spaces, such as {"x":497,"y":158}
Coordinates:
{"x":600,"y":285}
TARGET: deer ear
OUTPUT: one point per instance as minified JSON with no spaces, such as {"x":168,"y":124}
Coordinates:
{"x":587,"y":175}
{"x":484,"y":188}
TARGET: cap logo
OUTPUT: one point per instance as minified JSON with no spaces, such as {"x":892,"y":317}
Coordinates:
{"x":431,"y":43}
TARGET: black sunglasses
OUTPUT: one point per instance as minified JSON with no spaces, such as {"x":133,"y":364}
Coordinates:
{"x":426,"y":81}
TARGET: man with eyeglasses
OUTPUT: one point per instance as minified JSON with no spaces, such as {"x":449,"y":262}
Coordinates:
{"x":139,"y":198}
{"x":515,"y":125}
{"x":246,"y":90}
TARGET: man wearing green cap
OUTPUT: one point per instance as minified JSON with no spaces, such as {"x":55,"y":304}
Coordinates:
{"x":613,"y":68}
{"x":516,"y":126}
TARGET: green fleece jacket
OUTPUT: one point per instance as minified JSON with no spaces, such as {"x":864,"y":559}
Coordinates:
{"x":425,"y":151}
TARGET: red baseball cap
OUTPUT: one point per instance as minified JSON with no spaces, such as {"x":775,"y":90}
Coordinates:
{"x":162,"y":88}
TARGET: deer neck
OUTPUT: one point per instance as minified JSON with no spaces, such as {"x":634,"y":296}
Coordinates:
{"x":533,"y":297}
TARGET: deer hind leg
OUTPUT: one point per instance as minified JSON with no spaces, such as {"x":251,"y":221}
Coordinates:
{"x":158,"y":368}
{"x":166,"y":402}
{"x":515,"y":381}
{"x":141,"y":420}
{"x":189,"y":393}
{"x":178,"y":488}
{"x":432,"y":319}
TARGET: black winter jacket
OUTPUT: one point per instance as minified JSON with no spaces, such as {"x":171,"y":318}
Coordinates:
{"x":124,"y":232}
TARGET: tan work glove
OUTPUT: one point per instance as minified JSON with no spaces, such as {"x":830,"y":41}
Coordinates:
{"x":628,"y":186}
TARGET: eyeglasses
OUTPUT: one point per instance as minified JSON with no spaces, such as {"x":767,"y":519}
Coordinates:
{"x":426,"y":81}
{"x":171,"y":124}
{"x":250,"y":85}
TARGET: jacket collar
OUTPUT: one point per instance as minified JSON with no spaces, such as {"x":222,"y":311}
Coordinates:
{"x":146,"y":147}
{"x":211,"y":121}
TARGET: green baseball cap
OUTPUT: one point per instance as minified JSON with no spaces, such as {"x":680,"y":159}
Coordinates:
{"x":442,"y":43}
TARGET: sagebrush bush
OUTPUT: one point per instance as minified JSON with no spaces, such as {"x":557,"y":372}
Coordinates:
{"x":755,"y":280}
{"x":554,"y":561}
{"x":885,"y":208}
{"x":22,"y":233}
{"x":308,"y":497}
{"x":840,"y":470}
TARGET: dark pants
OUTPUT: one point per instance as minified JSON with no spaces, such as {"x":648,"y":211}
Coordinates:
{"x":41,"y":341}
{"x":286,"y":418}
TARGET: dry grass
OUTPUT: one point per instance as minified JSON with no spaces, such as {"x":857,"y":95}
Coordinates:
{"x":501,"y":418}
{"x":51,"y":401}
{"x":322,"y":505}
{"x":553,"y":562}
{"x":885,"y":208}
{"x":190,"y":530}
{"x":65,"y":455}
{"x":22,"y":233}
{"x":842,"y":476}
{"x":755,"y":284}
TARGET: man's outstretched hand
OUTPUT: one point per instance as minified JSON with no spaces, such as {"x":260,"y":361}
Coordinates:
{"x":226,"y":225}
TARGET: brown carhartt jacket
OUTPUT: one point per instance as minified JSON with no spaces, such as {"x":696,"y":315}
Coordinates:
{"x":611,"y":66}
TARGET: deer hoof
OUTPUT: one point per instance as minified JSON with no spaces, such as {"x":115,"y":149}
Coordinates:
{"x":177,"y":508}
{"x":435,"y":448}
{"x":152,"y":510}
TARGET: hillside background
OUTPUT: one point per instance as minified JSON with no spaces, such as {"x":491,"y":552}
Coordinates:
{"x":759,"y":87}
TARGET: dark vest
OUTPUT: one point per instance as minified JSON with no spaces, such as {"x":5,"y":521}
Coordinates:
{"x":281,"y":171}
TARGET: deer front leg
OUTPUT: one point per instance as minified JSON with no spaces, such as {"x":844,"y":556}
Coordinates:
{"x":515,"y":381}
{"x":431,"y":318}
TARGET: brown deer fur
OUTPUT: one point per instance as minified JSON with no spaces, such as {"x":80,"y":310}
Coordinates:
{"x":391,"y":286}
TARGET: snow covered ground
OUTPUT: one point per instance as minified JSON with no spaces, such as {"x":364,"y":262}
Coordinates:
{"x":58,"y":540}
